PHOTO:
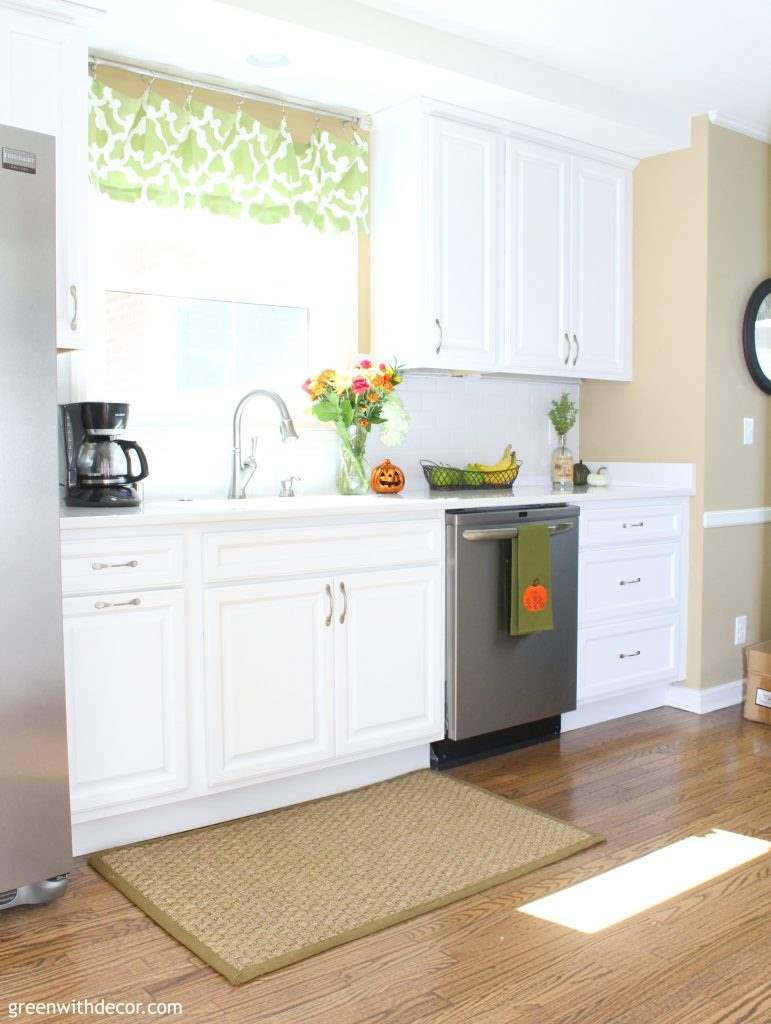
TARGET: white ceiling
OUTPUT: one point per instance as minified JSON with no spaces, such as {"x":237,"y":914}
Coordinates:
{"x":695,"y":56}
{"x":620,"y":75}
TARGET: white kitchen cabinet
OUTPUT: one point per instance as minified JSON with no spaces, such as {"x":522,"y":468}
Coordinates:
{"x":388,"y":651}
{"x":43,"y":88}
{"x":632,"y":588}
{"x":269,"y":664}
{"x":537,"y":259}
{"x":601,"y":301}
{"x":126,"y":697}
{"x":301,"y":671}
{"x":464,"y":200}
{"x":499,"y":249}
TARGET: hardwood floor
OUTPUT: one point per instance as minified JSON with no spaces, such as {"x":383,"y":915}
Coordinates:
{"x":643,"y":781}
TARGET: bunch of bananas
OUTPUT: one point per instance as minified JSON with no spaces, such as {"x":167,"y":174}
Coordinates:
{"x":489,"y":473}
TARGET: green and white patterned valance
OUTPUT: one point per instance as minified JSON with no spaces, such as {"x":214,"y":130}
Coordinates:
{"x":197,"y":156}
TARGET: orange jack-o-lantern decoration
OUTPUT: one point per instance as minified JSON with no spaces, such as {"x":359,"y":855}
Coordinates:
{"x":535,"y":597}
{"x":387,"y":478}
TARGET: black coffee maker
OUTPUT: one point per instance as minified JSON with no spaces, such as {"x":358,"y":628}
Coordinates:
{"x":98,"y":470}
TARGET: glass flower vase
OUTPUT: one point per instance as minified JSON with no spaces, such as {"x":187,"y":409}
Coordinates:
{"x":353,"y":473}
{"x":562,"y":467}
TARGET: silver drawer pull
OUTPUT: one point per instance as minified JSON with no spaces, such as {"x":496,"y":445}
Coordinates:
{"x":99,"y":605}
{"x":509,"y":532}
{"x":635,"y":654}
{"x":440,"y":336}
{"x":344,"y":612}
{"x":628,"y":583}
{"x":631,"y":526}
{"x":115,"y":565}
{"x":328,"y":619}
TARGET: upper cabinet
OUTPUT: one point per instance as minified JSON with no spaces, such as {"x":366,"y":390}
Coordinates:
{"x":43,"y":88}
{"x":494,"y":251}
{"x":463,"y":237}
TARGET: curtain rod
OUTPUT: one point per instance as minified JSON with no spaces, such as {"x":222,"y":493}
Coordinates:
{"x":346,"y":116}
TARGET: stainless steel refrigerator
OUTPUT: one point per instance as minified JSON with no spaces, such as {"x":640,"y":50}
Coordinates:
{"x":35,"y":843}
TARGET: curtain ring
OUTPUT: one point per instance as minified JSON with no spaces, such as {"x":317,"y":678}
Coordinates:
{"x":149,"y":85}
{"x":189,"y":98}
{"x":240,"y":104}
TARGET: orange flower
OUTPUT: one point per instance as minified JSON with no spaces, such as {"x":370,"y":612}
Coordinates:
{"x":362,"y":423}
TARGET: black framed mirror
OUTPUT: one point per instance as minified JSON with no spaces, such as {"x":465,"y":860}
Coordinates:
{"x":756,"y":336}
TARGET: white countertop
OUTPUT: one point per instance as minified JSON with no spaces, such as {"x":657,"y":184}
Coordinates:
{"x":625,"y":488}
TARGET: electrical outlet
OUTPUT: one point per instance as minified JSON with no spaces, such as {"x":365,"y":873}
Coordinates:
{"x":740,"y":630}
{"x":748,"y":430}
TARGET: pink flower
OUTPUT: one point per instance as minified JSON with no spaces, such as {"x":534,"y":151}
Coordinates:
{"x":365,"y":364}
{"x":307,"y":386}
{"x":359,"y":385}
{"x":382,"y":367}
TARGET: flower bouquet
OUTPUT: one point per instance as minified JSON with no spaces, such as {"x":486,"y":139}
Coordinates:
{"x":355,"y":402}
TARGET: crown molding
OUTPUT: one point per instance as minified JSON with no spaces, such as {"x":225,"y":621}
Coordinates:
{"x":743,"y":127}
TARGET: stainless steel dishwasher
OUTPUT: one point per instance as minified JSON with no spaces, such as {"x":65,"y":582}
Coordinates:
{"x":503,"y":690}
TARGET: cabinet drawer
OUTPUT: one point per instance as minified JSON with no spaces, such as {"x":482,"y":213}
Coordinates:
{"x":614,"y":659}
{"x":620,"y":583}
{"x":117,"y":563}
{"x":270,"y":553}
{"x":630,"y":524}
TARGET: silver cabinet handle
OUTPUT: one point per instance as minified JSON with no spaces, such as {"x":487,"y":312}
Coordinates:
{"x":344,"y":612}
{"x":117,"y":604}
{"x":566,"y":360}
{"x":508,"y":532}
{"x":115,"y":565}
{"x":74,"y":294}
{"x":578,"y":349}
{"x":632,"y":526}
{"x":440,"y":341}
{"x":330,"y":598}
{"x":635,"y":654}
{"x":628,"y":583}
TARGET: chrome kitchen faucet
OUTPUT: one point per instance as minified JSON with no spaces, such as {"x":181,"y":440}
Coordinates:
{"x":243,"y":471}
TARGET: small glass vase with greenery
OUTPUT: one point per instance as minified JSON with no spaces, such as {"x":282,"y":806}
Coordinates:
{"x":563,"y":414}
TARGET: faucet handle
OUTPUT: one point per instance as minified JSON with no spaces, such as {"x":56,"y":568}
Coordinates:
{"x":287,"y":487}
{"x":251,"y":461}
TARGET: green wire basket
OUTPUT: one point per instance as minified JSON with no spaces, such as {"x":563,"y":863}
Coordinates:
{"x":451,"y":478}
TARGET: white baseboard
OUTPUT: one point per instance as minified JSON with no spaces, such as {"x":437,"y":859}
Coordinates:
{"x":698,"y":702}
{"x":102,"y":833}
{"x":615,"y":707}
{"x":701,"y":702}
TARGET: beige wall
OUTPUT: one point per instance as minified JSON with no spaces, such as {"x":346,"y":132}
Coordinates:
{"x":660,"y":416}
{"x":737,"y":567}
{"x":702,"y":243}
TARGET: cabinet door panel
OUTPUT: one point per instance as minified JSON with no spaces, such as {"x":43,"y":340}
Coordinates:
{"x":126,"y":697}
{"x":388,"y":660}
{"x":536,"y":265}
{"x":600,"y":267}
{"x":463,"y":205}
{"x":43,"y":88}
{"x":268,"y":679}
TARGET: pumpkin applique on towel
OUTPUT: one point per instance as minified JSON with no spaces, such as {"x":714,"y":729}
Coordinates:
{"x":535,"y":597}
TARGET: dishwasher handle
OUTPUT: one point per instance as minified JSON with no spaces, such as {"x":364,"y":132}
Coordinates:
{"x":509,"y":532}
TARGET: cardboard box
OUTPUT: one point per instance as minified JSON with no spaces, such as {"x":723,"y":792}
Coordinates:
{"x":757,"y":703}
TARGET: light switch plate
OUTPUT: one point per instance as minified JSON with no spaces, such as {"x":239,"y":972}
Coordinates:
{"x":740,"y":630}
{"x":748,"y":430}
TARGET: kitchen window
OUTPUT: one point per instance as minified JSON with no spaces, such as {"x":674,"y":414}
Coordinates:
{"x":189,"y":310}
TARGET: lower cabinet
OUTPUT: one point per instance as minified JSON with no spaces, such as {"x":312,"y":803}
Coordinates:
{"x":269,"y":658}
{"x":303,"y":672}
{"x":126,"y":696}
{"x":389,"y":684}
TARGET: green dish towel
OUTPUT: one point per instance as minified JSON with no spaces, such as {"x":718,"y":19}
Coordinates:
{"x":531,"y":568}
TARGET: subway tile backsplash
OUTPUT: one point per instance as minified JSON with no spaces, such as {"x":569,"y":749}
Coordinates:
{"x":455,"y":420}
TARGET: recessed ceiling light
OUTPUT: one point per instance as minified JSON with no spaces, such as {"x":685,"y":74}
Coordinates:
{"x":268,"y":59}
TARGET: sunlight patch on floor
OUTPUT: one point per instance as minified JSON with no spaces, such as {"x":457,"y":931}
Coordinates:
{"x":622,"y":892}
